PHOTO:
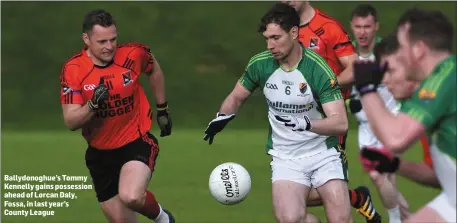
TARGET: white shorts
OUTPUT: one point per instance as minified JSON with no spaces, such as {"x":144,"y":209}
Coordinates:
{"x":313,"y":171}
{"x":443,"y":207}
{"x":366,"y":137}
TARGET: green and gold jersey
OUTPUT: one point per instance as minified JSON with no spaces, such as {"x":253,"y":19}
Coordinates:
{"x":434,"y":105}
{"x":300,"y":91}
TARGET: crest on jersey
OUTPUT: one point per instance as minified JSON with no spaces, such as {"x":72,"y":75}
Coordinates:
{"x":303,"y":87}
{"x":425,"y":94}
{"x":65,"y":88}
{"x":313,"y":42}
{"x":332,"y":82}
{"x":127,"y":77}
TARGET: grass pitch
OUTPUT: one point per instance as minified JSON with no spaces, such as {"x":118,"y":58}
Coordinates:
{"x":180,"y":182}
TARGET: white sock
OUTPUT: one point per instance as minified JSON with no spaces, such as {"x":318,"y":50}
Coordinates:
{"x":394,"y":215}
{"x":162,"y":217}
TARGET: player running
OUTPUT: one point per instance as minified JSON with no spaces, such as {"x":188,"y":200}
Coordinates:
{"x":364,"y":25}
{"x":327,"y":37}
{"x":306,"y":114}
{"x":425,"y":46}
{"x":101,"y":94}
{"x":401,"y":89}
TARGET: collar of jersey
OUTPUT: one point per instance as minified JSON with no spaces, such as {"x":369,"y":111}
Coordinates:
{"x":84,"y":53}
{"x":316,"y":11}
{"x":296,"y":65}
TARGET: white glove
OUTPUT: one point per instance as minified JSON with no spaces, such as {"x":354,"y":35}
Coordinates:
{"x":297,"y":123}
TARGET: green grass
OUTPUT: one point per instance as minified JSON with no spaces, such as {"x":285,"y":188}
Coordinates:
{"x":180,"y":182}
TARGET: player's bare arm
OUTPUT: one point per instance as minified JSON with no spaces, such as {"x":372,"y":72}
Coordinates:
{"x":346,"y":77}
{"x":396,"y":132}
{"x":156,"y":80}
{"x":418,"y":172}
{"x":235,"y":99}
{"x":227,"y":111}
{"x":76,"y":116}
{"x":341,"y":43}
{"x":335,"y":123}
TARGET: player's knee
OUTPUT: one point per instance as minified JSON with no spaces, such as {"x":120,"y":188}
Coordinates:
{"x":287,"y":216}
{"x":132,"y":200}
{"x":340,"y":217}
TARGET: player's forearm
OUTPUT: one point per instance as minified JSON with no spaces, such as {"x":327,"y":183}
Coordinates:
{"x":157,"y":82}
{"x":418,"y":172}
{"x":334,"y":125}
{"x":384,"y":124}
{"x":230,"y":105}
{"x":78,"y":117}
{"x":346,"y":78}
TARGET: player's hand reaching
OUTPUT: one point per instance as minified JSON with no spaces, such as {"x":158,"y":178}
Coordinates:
{"x":101,"y":94}
{"x":379,"y":159}
{"x":368,"y":75}
{"x":296,"y":123}
{"x":216,"y":125}
{"x":164,"y":119}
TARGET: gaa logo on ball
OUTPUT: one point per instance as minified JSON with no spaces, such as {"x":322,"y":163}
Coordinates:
{"x":229,"y":183}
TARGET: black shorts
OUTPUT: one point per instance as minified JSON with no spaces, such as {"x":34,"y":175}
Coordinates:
{"x":105,"y":165}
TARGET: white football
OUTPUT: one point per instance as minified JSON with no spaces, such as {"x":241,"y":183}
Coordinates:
{"x":229,"y":183}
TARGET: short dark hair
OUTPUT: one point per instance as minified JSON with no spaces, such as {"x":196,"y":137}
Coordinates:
{"x":97,"y":17}
{"x":282,"y":14}
{"x":365,"y":10}
{"x":430,"y":26}
{"x":387,"y":46}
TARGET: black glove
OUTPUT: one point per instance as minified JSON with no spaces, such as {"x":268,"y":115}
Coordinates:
{"x":379,"y":159}
{"x":216,"y":125}
{"x":164,"y":119}
{"x":100,"y":95}
{"x":353,"y":105}
{"x":367,"y":76}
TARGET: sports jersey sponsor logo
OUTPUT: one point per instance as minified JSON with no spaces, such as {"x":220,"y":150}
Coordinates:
{"x":89,"y":87}
{"x":290,"y":108}
{"x":127,"y":77}
{"x":271,"y":86}
{"x":116,"y":106}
